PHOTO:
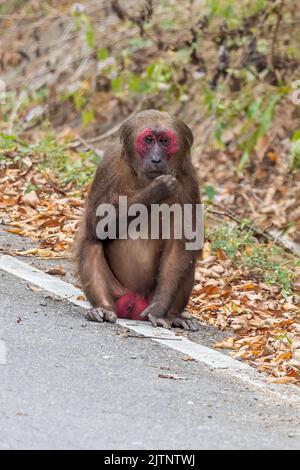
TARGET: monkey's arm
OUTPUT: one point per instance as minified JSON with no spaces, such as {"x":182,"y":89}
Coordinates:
{"x":177,"y":266}
{"x":157,"y":191}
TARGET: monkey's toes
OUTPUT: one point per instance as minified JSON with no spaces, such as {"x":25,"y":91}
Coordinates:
{"x":162,"y":322}
{"x":101,"y":315}
{"x":189,"y":324}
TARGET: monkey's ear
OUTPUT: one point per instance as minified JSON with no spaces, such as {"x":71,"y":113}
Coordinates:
{"x":186,"y":132}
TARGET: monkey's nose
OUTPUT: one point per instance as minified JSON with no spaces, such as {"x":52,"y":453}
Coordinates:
{"x":156,"y":160}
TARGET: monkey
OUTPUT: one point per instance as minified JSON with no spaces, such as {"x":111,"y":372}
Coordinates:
{"x":141,"y":278}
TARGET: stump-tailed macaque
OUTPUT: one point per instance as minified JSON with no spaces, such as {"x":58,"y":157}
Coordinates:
{"x":146,"y":277}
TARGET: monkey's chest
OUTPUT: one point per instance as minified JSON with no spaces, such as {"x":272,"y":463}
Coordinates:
{"x":135,"y":263}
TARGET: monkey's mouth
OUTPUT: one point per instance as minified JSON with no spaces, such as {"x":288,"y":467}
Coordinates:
{"x":154,"y":174}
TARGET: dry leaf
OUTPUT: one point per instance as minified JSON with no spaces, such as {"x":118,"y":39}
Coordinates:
{"x":57,"y":271}
{"x":206,"y":251}
{"x":170,"y":376}
{"x":31,"y":199}
{"x":282,"y":380}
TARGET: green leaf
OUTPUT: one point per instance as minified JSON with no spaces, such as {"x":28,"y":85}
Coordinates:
{"x":134,"y":83}
{"x":90,"y":38}
{"x":267,"y":115}
{"x":116,"y":84}
{"x":183,"y":55}
{"x":87,"y":117}
{"x":139,"y":43}
{"x":79,"y":101}
{"x":254,"y":108}
{"x":210,"y":193}
{"x":243,"y":162}
{"x":295,"y":152}
{"x":296,"y":136}
{"x":102,"y":53}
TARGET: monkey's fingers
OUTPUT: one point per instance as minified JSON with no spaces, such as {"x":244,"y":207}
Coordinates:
{"x":162,"y":322}
{"x":145,"y":314}
{"x":189,"y":324}
{"x":169,"y":181}
{"x":152,"y":319}
{"x":101,"y":315}
{"x":154,"y":309}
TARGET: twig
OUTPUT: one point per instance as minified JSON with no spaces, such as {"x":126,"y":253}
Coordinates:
{"x":116,"y":128}
{"x":110,"y":132}
{"x":15,"y":109}
{"x":87,"y":145}
{"x":270,"y":235}
{"x":74,"y":144}
{"x":213,"y":117}
{"x":226,"y":214}
{"x":275,"y":34}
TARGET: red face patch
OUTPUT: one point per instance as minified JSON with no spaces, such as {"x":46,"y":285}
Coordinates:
{"x":149,"y":137}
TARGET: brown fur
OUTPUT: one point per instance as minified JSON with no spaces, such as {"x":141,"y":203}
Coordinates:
{"x":162,"y":270}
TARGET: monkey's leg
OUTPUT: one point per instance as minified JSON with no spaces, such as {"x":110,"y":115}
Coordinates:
{"x":176,"y":316}
{"x":99,"y":284}
{"x":176,"y":273}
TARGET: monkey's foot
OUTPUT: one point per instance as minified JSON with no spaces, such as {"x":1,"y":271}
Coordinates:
{"x":186,"y":323}
{"x":155,"y":315}
{"x":189,"y":324}
{"x":101,"y":315}
{"x":173,"y":319}
{"x":155,"y":321}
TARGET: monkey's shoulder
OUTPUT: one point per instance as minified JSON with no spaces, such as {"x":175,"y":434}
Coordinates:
{"x":110,"y":164}
{"x":111,"y":156}
{"x":113,"y":174}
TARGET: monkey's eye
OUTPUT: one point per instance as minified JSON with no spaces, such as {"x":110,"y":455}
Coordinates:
{"x":149,"y":139}
{"x":164,"y":140}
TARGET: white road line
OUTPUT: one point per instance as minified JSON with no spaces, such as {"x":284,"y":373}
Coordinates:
{"x":198,"y":352}
{"x":43,"y":280}
{"x":210,"y":357}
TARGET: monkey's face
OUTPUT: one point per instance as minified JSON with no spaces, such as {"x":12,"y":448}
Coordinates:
{"x":155,"y":144}
{"x":155,"y":148}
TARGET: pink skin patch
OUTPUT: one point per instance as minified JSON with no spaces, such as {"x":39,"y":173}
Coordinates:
{"x":142,"y":147}
{"x":131,"y":306}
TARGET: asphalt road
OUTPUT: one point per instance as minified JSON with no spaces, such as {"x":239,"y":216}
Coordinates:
{"x":69,"y":384}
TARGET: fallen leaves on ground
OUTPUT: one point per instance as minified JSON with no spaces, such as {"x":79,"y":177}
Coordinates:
{"x":57,"y":271}
{"x":266,"y":325}
{"x":44,"y":214}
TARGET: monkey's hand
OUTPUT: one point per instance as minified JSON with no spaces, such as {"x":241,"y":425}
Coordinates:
{"x":155,"y":314}
{"x":101,"y":315}
{"x":163,"y":187}
{"x":185,"y":322}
